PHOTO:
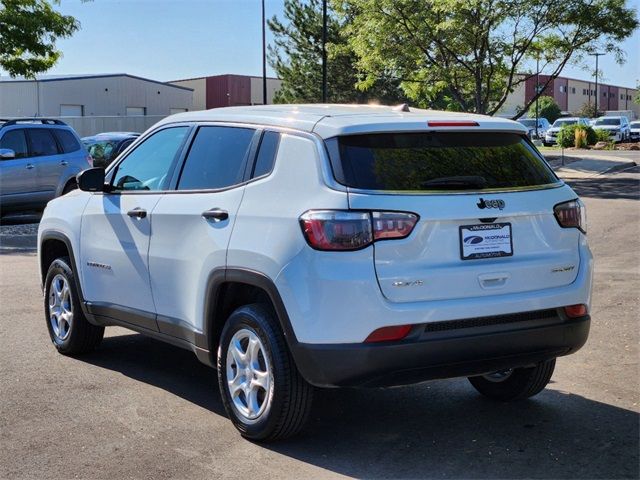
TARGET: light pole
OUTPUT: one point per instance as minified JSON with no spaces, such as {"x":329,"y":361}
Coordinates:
{"x":264,"y":59}
{"x":537,"y":89}
{"x":324,"y":51}
{"x":596,"y":55}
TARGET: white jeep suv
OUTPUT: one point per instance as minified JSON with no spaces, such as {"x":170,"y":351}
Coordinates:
{"x":328,"y":246}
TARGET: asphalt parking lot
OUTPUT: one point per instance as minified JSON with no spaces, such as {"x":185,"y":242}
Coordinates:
{"x":138,"y":408}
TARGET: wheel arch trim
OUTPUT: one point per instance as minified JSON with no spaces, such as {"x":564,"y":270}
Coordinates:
{"x":59,"y":236}
{"x":220,"y":276}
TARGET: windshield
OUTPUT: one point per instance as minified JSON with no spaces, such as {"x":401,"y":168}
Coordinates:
{"x":102,"y":150}
{"x":528,"y":123}
{"x":559,"y":123}
{"x":635,"y":125}
{"x":607,"y":121}
{"x":438,"y":161}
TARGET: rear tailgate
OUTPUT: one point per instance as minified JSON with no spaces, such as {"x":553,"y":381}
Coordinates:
{"x":485,"y":202}
{"x":429,"y":265}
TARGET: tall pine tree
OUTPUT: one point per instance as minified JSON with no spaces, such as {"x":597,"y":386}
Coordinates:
{"x":297,"y":59}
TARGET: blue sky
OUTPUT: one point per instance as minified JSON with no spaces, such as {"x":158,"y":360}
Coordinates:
{"x":173,"y":39}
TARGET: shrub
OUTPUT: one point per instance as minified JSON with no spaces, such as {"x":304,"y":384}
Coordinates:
{"x":580,"y":138}
{"x":575,"y":135}
{"x":602,"y":135}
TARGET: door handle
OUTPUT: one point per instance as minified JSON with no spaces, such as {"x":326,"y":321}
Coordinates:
{"x":64,"y":163}
{"x":216,"y":214}
{"x":29,"y":166}
{"x":137,"y":213}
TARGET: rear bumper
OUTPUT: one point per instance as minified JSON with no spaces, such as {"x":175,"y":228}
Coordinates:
{"x":453,"y":352}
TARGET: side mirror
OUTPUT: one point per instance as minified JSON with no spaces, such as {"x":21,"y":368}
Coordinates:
{"x":91,"y":180}
{"x":7,"y":154}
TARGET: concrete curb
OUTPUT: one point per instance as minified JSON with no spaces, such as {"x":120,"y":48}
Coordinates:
{"x":13,"y":243}
{"x":592,"y":167}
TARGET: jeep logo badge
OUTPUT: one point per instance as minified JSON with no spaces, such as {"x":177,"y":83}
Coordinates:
{"x":482,"y":204}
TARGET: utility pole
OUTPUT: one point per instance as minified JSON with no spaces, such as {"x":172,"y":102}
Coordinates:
{"x":264,"y":58}
{"x":537,"y":88}
{"x":324,"y":51}
{"x":596,"y":55}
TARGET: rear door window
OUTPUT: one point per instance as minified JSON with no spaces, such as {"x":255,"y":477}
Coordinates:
{"x":42,"y":142}
{"x":438,"y":161}
{"x":67,"y":141}
{"x":16,"y":141}
{"x":217,"y":158}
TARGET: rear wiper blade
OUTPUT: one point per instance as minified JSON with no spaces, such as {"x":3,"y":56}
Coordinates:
{"x":456,"y":183}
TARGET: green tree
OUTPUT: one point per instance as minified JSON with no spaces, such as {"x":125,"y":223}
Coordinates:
{"x":636,"y":99}
{"x":547,"y":108}
{"x":588,"y":110}
{"x":28,"y":33}
{"x":478,"y":50}
{"x":296,"y":56}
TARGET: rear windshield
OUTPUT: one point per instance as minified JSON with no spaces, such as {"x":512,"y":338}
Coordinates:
{"x":438,"y":161}
{"x":608,"y":121}
{"x":559,"y":123}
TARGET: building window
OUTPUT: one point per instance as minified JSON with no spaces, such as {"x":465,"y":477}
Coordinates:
{"x":136,"y":111}
{"x":563,"y":89}
{"x":178,"y":110}
{"x":573,"y":90}
{"x":584,"y":91}
{"x":71,"y":110}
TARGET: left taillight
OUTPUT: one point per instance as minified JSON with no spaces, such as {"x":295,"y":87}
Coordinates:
{"x":571,"y":214}
{"x":352,"y":230}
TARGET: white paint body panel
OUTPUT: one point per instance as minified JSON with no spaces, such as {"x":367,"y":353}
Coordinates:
{"x":185,"y":249}
{"x":112,"y":238}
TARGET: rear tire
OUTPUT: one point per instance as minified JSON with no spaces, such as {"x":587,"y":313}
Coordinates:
{"x":70,"y":331}
{"x":266,"y":397}
{"x":516,"y":384}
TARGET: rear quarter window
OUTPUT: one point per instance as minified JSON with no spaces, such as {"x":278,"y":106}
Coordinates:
{"x":67,"y":141}
{"x":438,"y":161}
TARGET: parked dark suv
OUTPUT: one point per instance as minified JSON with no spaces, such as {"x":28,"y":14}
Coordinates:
{"x":105,"y":147}
{"x":39,"y":160}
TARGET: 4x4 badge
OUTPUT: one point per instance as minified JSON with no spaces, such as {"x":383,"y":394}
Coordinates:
{"x":490,"y":204}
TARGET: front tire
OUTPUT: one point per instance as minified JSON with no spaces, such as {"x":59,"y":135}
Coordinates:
{"x":262,"y":391}
{"x":515,"y":384}
{"x":70,"y":331}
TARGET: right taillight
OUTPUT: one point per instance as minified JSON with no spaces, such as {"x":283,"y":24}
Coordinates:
{"x":571,"y":214}
{"x":353,"y":230}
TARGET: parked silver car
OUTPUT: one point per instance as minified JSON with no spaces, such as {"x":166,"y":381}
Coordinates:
{"x":634,"y":136}
{"x":551,"y":136}
{"x":39,"y":160}
{"x":536,"y":133}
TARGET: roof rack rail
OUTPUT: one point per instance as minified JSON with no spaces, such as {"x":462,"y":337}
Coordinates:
{"x":44,"y":121}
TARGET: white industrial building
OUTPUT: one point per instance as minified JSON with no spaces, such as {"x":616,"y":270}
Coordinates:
{"x":94,"y":103}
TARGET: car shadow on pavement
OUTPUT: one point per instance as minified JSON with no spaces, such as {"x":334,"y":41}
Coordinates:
{"x":436,"y":429}
{"x":612,"y":186}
